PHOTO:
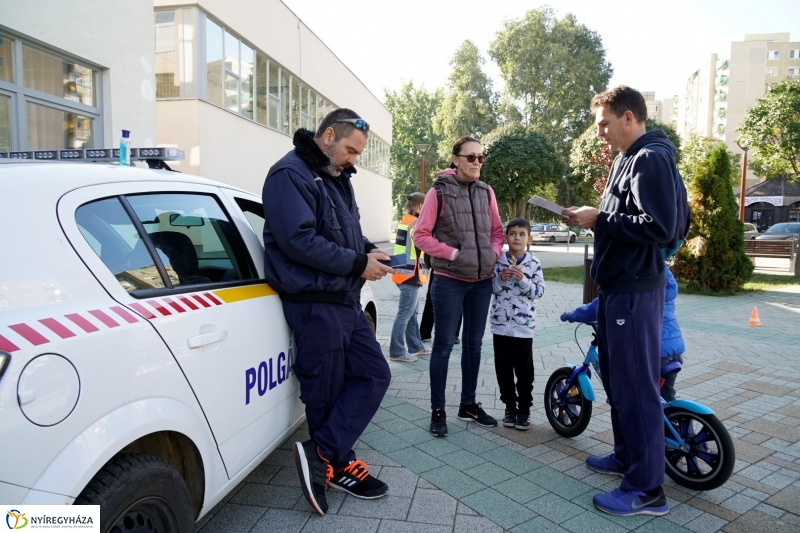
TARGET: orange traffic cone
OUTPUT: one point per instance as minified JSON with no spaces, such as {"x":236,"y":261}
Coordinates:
{"x":754,"y":320}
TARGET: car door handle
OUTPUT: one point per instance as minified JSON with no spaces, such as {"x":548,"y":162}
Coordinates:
{"x":207,"y":338}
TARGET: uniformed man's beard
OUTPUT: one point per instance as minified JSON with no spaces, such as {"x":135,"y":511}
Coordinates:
{"x":333,"y":169}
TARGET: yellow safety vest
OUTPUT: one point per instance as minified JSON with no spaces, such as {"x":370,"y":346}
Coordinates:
{"x":404,"y":244}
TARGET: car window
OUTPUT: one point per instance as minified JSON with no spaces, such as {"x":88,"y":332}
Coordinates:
{"x":192,"y":236}
{"x":254,"y":213}
{"x":749,"y":227}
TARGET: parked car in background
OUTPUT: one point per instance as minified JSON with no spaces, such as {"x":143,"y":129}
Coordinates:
{"x":750,"y":231}
{"x":782,"y":231}
{"x":587,"y":233}
{"x":552,"y":233}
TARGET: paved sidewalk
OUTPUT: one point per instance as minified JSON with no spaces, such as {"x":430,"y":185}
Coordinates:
{"x":508,"y":480}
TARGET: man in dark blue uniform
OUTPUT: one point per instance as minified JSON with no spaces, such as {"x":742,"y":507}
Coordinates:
{"x":637,"y":220}
{"x":317,"y":259}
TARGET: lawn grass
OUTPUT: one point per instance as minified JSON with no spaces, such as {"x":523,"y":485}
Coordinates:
{"x":759,"y":282}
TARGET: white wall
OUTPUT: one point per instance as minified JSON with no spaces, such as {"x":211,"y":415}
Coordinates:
{"x":227,"y":147}
{"x":116,"y":36}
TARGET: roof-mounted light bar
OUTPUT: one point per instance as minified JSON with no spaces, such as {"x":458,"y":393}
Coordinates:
{"x":96,"y":154}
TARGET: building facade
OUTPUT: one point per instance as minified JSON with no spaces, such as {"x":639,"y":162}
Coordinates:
{"x":227,"y":82}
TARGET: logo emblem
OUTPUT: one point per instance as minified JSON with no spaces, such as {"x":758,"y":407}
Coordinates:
{"x":620,"y":321}
{"x":17,"y":518}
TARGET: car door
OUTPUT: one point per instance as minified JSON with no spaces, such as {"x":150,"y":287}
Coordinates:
{"x":178,"y":259}
{"x":253,"y":213}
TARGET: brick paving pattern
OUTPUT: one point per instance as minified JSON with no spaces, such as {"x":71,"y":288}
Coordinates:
{"x":507,"y":480}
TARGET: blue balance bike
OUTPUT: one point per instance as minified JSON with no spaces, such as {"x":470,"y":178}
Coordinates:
{"x":698,"y":450}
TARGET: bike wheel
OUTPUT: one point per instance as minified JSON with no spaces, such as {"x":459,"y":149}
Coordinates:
{"x":569,"y":417}
{"x":707,"y":458}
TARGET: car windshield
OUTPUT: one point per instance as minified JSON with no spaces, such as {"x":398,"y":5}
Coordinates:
{"x":784,"y":228}
{"x":538,"y":228}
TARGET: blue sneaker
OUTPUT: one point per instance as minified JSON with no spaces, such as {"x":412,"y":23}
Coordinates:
{"x":605,"y":465}
{"x":629,"y":503}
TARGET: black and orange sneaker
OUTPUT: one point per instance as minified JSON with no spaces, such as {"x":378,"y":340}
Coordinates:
{"x":438,"y":423}
{"x":355,"y":479}
{"x":315,"y":472}
{"x":473,"y":412}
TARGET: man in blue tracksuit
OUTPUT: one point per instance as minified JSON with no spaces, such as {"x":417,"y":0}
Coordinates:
{"x":638,"y":218}
{"x":317,"y":259}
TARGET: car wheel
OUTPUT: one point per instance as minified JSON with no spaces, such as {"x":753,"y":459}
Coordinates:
{"x":371,"y":322}
{"x":552,"y":238}
{"x":572,"y":238}
{"x":138,"y":492}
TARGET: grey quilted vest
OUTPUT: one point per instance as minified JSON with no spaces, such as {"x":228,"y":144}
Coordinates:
{"x":464,"y":222}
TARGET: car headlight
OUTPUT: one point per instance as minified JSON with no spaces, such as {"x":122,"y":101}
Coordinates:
{"x":5,"y":358}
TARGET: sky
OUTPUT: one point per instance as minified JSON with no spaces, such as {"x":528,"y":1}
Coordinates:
{"x":652,"y":46}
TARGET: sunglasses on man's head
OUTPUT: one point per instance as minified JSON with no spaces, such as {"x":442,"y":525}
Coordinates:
{"x":471,"y":158}
{"x":359,"y":123}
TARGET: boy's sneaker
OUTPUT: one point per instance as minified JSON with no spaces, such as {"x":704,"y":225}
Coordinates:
{"x":472,"y":412}
{"x":628,"y":503}
{"x":439,"y":423}
{"x":314,"y":472}
{"x":405,"y":358}
{"x":510,"y":418}
{"x":523,"y":422}
{"x":355,"y":479}
{"x":423,"y":351}
{"x":429,"y":339}
{"x":457,"y":341}
{"x":607,"y":464}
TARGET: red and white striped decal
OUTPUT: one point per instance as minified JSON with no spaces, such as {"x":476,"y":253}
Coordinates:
{"x":14,"y":337}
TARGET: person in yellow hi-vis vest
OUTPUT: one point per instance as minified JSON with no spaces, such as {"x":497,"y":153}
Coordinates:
{"x":406,"y":343}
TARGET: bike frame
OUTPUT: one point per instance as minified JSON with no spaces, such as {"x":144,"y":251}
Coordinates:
{"x":582,"y":374}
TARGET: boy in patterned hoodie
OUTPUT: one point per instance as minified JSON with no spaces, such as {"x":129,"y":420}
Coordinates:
{"x":518,"y":283}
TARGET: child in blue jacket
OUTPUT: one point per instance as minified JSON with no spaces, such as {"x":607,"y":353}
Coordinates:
{"x":672,"y":345}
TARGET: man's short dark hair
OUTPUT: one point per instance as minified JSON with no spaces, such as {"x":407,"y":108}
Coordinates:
{"x":519,"y":223}
{"x":340,"y":129}
{"x":621,"y":99}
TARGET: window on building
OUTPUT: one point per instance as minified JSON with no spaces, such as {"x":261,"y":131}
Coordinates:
{"x":262,"y":69}
{"x":167,"y":59}
{"x":47,"y":101}
{"x":773,"y":54}
{"x":794,"y":54}
{"x":213,"y":62}
{"x":790,"y":73}
{"x":274,"y":96}
{"x":772,"y":71}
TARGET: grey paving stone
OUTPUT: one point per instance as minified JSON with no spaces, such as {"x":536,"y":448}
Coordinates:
{"x":439,"y":447}
{"x":683,"y":513}
{"x":268,"y":496}
{"x":396,"y":425}
{"x":539,"y":524}
{"x":499,"y":509}
{"x":511,"y":461}
{"x":739,"y":503}
{"x":461,"y":459}
{"x":433,"y":507}
{"x":554,"y":508}
{"x":401,"y":481}
{"x":558,"y":483}
{"x":476,"y":524}
{"x":286,"y":476}
{"x":395,"y":526}
{"x":489,"y":474}
{"x":376,"y":458}
{"x":409,"y":412}
{"x":233,"y":517}
{"x":264,"y":472}
{"x":383,"y":441}
{"x":453,"y":482}
{"x":704,"y":523}
{"x":415,"y":460}
{"x":472,"y":443}
{"x":417,"y":435}
{"x":465,"y":509}
{"x":340,"y":524}
{"x":587,"y":521}
{"x":769,"y":510}
{"x":390,"y":506}
{"x":520,"y":490}
{"x":281,"y":521}
{"x":661,"y":525}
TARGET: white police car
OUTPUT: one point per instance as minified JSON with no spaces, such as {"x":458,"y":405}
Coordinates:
{"x":145,"y":365}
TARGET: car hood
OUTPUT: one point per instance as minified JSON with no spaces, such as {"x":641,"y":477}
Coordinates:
{"x":775,"y":236}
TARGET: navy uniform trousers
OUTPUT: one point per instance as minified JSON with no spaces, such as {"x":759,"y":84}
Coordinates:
{"x":342,"y":372}
{"x":629,"y":346}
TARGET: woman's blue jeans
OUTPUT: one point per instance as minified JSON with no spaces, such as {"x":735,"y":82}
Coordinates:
{"x":405,"y":331}
{"x":451,"y":298}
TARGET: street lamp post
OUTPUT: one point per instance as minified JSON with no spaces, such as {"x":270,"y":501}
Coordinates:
{"x":743,"y":181}
{"x":423,"y":149}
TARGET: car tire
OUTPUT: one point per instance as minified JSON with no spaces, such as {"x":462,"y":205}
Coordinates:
{"x":552,"y":238}
{"x":371,"y":322}
{"x":572,"y":238}
{"x":140,"y":492}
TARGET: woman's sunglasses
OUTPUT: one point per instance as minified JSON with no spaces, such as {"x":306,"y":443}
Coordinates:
{"x":471,"y":158}
{"x":359,"y":123}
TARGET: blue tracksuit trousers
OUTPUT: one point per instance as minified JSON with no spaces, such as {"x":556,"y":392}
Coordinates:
{"x":629,"y":346}
{"x":342,"y":372}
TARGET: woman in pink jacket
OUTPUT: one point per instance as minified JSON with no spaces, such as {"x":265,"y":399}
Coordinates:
{"x":460,"y":229}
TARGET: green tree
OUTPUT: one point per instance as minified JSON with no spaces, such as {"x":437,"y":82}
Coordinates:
{"x":653,"y":124}
{"x":695,"y":150}
{"x":412,"y":110}
{"x":468,"y":107}
{"x":552,"y":67}
{"x":519,"y":164}
{"x":771,"y":129}
{"x":713,"y":258}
